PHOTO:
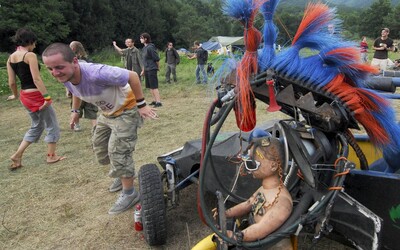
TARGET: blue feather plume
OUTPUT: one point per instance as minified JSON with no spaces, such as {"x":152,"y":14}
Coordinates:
{"x":238,"y":9}
{"x":270,"y":34}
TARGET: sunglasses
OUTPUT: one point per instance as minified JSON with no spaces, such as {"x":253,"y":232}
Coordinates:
{"x":251,"y":164}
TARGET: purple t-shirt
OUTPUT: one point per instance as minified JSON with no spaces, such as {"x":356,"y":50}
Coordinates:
{"x":104,"y":86}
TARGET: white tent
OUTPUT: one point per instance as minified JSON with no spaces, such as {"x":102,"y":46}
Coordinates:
{"x":226,"y":43}
{"x":227,"y":40}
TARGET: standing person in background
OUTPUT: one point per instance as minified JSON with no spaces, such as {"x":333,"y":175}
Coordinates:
{"x":133,"y":59}
{"x":331,"y":29}
{"x":202,"y":57}
{"x":364,"y":49}
{"x":382,"y":45}
{"x":88,"y":110}
{"x":171,"y":59}
{"x":118,"y":94}
{"x":151,"y":62}
{"x":34,"y":97}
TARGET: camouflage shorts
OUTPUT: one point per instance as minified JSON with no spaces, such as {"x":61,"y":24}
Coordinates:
{"x":114,"y":141}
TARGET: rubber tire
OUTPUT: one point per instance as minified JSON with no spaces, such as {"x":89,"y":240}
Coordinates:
{"x":153,"y":205}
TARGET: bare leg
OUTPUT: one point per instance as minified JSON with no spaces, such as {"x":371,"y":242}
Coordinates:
{"x":127,"y":183}
{"x":152,"y":94}
{"x":94,"y":122}
{"x":51,"y":153}
{"x":16,"y":158}
{"x":156,"y":95}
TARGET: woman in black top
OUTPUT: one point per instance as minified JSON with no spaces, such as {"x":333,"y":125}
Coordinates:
{"x":23,"y":64}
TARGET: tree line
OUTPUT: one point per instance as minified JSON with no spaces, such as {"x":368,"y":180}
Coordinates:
{"x":96,"y":23}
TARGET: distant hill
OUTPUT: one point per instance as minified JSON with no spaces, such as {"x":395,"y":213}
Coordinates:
{"x":348,"y":3}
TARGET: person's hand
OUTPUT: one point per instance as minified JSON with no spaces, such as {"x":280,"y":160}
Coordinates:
{"x":11,"y":97}
{"x":45,"y":104}
{"x":114,"y":43}
{"x":73,"y":119}
{"x":147,"y":112}
{"x":229,"y":234}
{"x":215,"y":213}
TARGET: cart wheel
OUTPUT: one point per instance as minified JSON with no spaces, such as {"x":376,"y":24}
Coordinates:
{"x":153,"y":205}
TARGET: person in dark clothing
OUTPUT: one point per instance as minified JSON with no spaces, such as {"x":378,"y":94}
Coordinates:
{"x":132,"y":57}
{"x":151,"y":62}
{"x":171,"y":59}
{"x":202,"y":57}
{"x":382,"y":45}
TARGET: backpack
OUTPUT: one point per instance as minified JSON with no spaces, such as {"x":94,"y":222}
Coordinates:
{"x":204,"y":55}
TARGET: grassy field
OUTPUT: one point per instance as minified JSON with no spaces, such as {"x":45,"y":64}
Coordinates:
{"x":64,"y":205}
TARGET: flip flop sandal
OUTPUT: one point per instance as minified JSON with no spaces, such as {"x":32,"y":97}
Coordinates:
{"x":14,"y":166}
{"x":59,"y":158}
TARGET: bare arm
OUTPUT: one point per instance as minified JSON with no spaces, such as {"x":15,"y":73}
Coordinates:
{"x":384,"y":47}
{"x":381,"y":47}
{"x":76,"y":103}
{"x":192,"y":57}
{"x":135,"y":85}
{"x":271,"y":221}
{"x":118,"y":49}
{"x":11,"y":81}
{"x":241,"y":208}
{"x":134,"y":82}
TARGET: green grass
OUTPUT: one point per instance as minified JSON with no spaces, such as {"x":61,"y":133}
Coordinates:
{"x":65,"y":205}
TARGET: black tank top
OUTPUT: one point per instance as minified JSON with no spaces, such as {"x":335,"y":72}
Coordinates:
{"x":23,"y":72}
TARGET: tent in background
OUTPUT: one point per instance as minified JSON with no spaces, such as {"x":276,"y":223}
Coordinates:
{"x":183,"y":51}
{"x":210,"y":46}
{"x":225,"y":43}
{"x":227,"y":40}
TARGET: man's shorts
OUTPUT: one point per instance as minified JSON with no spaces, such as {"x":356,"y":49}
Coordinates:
{"x":114,"y":142}
{"x":88,"y":110}
{"x":381,"y":64}
{"x":151,"y":79}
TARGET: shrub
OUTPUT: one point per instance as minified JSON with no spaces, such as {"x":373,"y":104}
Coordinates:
{"x":3,"y":74}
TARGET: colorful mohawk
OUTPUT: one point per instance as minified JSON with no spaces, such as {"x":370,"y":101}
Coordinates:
{"x":336,"y":68}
